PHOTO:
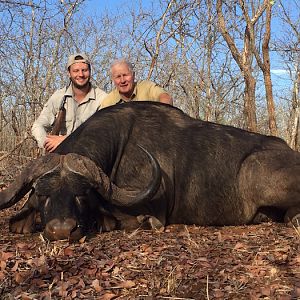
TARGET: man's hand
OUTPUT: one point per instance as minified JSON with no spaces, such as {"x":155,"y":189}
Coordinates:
{"x":52,"y":141}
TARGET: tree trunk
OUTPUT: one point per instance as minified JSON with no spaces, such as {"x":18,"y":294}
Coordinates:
{"x":208,"y":92}
{"x":249,"y":102}
{"x":293,"y":141}
{"x":244,"y":61}
{"x":266,"y":69}
{"x":270,"y":104}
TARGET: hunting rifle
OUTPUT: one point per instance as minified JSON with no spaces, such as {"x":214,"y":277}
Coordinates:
{"x":61,"y":116}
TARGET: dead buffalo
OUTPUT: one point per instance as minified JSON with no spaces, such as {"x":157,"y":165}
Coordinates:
{"x":141,"y":159}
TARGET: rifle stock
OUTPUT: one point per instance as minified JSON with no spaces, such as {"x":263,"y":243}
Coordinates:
{"x":61,"y":117}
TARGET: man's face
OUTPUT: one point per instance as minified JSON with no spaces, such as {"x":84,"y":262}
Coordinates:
{"x":80,"y":74}
{"x":123,"y":79}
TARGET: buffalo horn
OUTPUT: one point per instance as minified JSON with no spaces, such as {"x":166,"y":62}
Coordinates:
{"x":108,"y":190}
{"x":23,"y":183}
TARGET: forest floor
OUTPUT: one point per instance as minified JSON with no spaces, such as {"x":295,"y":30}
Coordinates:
{"x":179,"y":262}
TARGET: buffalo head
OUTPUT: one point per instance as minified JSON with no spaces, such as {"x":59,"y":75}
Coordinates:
{"x":69,"y":196}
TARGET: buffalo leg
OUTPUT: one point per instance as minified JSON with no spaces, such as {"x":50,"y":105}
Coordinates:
{"x":149,"y":222}
{"x":268,"y":214}
{"x":270,"y":180}
{"x":129,"y":222}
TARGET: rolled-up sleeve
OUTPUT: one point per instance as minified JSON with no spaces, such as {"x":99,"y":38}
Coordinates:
{"x":43,"y":122}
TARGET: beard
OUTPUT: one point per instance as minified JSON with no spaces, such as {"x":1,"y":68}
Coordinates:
{"x":80,"y":86}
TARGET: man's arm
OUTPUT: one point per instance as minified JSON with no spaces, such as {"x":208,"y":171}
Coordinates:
{"x":155,"y":92}
{"x":44,"y":121}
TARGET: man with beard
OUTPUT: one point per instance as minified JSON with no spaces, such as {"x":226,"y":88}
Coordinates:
{"x":80,"y":100}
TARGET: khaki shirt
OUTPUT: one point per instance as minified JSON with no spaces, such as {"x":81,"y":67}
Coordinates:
{"x":76,"y":113}
{"x":144,"y":90}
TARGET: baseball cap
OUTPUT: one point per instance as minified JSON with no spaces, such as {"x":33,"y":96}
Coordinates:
{"x":77,"y":58}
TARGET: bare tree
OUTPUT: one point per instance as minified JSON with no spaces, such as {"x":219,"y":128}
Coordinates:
{"x":244,"y":59}
{"x":158,"y":40}
{"x":288,"y":46}
{"x":264,"y":62}
{"x":33,"y":50}
{"x":295,"y":114}
{"x":244,"y":62}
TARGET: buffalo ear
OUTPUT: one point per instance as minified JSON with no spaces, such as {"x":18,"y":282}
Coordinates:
{"x":25,"y":221}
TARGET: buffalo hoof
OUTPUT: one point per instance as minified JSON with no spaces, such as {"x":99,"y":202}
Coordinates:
{"x":149,"y":222}
{"x":261,"y":218}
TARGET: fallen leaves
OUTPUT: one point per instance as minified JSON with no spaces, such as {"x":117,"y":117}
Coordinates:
{"x":96,"y":285}
{"x":127,"y":284}
{"x":189,"y":262}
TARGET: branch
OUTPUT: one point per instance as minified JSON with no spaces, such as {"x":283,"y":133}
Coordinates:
{"x":15,"y":148}
{"x":19,"y":3}
{"x":250,"y":26}
{"x":158,"y":37}
{"x":229,"y":40}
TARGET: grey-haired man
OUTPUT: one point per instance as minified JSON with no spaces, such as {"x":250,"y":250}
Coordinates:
{"x":127,"y":89}
{"x":80,"y":99}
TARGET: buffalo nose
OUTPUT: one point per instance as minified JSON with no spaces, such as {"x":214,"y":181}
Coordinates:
{"x":60,"y":229}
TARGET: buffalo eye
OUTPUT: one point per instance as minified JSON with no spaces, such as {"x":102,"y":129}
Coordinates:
{"x":43,"y":200}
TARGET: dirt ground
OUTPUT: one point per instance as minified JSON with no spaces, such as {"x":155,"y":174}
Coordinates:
{"x":179,"y":262}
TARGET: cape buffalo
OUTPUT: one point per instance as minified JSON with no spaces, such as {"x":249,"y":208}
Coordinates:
{"x":150,"y":159}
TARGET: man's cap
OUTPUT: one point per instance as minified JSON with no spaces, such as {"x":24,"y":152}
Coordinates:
{"x":77,"y":58}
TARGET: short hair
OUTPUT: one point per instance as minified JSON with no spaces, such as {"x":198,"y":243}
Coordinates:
{"x":120,"y":61}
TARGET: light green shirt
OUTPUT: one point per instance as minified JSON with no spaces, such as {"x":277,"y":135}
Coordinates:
{"x":76,"y":113}
{"x":144,"y":90}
